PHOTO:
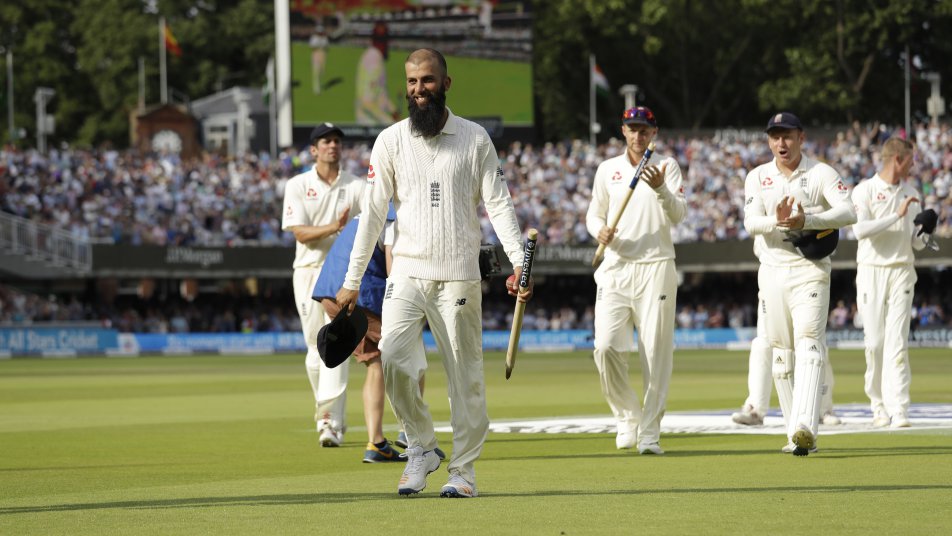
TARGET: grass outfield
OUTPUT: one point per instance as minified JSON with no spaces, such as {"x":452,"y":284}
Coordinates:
{"x":225,"y":445}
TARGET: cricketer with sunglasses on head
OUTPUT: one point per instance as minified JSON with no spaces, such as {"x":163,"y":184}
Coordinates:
{"x":637,"y":283}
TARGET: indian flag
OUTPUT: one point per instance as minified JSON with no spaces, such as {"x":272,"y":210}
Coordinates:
{"x":599,"y":80}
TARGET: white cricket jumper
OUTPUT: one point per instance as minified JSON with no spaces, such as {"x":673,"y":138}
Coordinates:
{"x":437,"y":185}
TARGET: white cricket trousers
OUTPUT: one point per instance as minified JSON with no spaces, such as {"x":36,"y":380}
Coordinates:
{"x":328,"y":384}
{"x":760,"y":379}
{"x":643,"y":296}
{"x":884,"y":295}
{"x":453,"y":310}
{"x":796,"y":301}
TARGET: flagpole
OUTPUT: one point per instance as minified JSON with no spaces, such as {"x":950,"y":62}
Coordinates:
{"x":591,"y":99}
{"x":908,"y":123}
{"x":272,"y":108}
{"x":163,"y":76}
{"x":10,"y":124}
{"x":282,"y":72}
{"x":141,"y":84}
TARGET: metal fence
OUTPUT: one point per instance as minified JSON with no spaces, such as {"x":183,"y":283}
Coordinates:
{"x":43,"y":243}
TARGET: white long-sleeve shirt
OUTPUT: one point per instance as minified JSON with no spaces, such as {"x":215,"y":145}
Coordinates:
{"x":885,"y":239}
{"x":816,"y":186}
{"x":437,"y":185}
{"x":644,"y":230}
{"x":308,"y":200}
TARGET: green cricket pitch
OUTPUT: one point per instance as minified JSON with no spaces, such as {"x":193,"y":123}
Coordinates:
{"x":227,"y":445}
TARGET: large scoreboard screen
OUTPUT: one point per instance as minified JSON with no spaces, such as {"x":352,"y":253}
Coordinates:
{"x":347,"y":60}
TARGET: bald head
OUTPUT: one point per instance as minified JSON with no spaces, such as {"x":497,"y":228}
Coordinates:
{"x":424,"y":55}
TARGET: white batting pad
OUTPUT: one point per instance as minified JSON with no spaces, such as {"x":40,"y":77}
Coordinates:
{"x":808,"y":379}
{"x":782,"y":367}
{"x":758,"y":375}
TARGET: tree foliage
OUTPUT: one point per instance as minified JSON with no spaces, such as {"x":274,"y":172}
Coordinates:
{"x":730,"y":63}
{"x":88,"y":51}
{"x":697,"y":63}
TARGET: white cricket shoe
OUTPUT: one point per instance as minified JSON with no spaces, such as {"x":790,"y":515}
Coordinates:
{"x":790,"y":447}
{"x":803,"y":440}
{"x":419,"y":465}
{"x":900,"y":421}
{"x":458,"y":488}
{"x":330,"y":437}
{"x":880,"y":418}
{"x":831,"y":419}
{"x":748,"y":417}
{"x":650,"y":448}
{"x":626,"y":439}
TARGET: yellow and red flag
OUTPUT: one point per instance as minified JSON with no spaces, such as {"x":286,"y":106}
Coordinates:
{"x":171,"y":44}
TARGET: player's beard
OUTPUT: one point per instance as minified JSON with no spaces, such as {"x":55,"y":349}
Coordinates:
{"x":427,"y":121}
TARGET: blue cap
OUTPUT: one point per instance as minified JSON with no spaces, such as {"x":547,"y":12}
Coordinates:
{"x":325,"y":129}
{"x":785,"y":120}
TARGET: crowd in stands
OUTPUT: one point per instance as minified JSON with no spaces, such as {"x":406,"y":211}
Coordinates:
{"x":561,"y":303}
{"x":18,"y":307}
{"x":163,"y":313}
{"x":129,"y":198}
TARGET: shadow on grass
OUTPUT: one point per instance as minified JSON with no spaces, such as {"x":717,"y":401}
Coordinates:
{"x":498,"y":438}
{"x":830,"y":453}
{"x":77,"y":467}
{"x":204,"y":502}
{"x":671,"y":443}
{"x":336,"y":498}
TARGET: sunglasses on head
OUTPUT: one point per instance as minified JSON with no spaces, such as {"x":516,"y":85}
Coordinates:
{"x":639,"y":112}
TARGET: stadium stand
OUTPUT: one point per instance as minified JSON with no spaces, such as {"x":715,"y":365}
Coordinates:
{"x":126,"y":198}
{"x":115,"y":197}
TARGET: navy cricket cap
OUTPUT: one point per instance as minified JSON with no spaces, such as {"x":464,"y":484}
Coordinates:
{"x":815,"y":245}
{"x":785,"y":120}
{"x":325,"y":129}
{"x":337,"y":340}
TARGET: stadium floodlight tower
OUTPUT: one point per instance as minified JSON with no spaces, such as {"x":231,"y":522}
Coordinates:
{"x":935,"y":105}
{"x":630,"y":92}
{"x":44,"y":122}
{"x":244,"y":125}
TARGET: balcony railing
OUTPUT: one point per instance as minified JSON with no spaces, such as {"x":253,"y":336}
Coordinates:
{"x":44,"y":243}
